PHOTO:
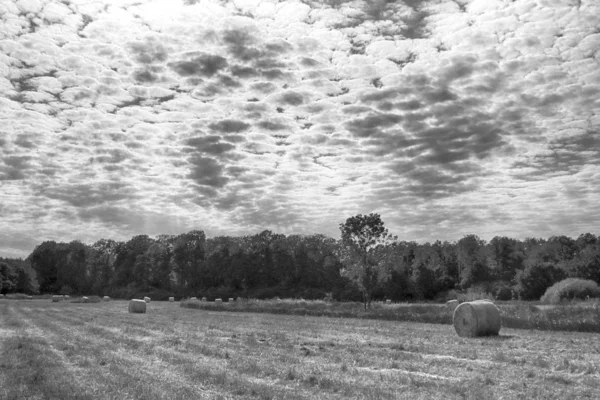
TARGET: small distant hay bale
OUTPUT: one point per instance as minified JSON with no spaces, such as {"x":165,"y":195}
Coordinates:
{"x":67,"y":297}
{"x":477,"y":318}
{"x":171,"y":299}
{"x":388,"y":301}
{"x":219,"y":301}
{"x":147,"y":299}
{"x":193,"y":298}
{"x":137,"y":306}
{"x":231,"y":300}
{"x":85,"y":299}
{"x":55,"y":299}
{"x":106,"y":298}
{"x":204,"y":299}
{"x":452,"y":304}
{"x":1,"y":296}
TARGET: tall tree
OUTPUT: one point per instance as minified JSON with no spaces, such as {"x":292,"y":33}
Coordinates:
{"x":365,"y":246}
{"x":471,"y":260}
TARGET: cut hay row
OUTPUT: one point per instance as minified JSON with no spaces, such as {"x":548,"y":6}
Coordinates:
{"x":477,"y":318}
{"x":137,"y":306}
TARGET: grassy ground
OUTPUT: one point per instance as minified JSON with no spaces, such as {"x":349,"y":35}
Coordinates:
{"x":99,"y":351}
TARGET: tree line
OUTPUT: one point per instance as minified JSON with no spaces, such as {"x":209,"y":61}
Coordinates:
{"x":268,"y":265}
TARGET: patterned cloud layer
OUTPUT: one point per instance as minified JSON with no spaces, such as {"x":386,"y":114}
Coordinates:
{"x":446,"y":117}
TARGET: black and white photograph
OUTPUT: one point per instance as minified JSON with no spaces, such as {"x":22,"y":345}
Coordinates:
{"x":299,"y":199}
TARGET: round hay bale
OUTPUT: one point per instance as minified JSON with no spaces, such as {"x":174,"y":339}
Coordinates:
{"x":137,"y":306}
{"x":231,"y":300}
{"x":204,"y":299}
{"x":452,"y":304}
{"x":67,"y":297}
{"x":55,"y":299}
{"x":193,"y":298}
{"x":85,"y":299}
{"x":477,"y":318}
{"x":219,"y":301}
{"x":388,"y":301}
{"x":147,"y":299}
{"x":171,"y":299}
{"x":106,"y":298}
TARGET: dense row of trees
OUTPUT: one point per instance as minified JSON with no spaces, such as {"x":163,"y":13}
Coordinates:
{"x":366,"y":263}
{"x":15,"y":276}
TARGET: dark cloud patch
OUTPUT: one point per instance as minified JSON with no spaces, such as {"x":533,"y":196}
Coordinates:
{"x":429,"y":182}
{"x":272,"y":125}
{"x":228,"y":81}
{"x":229,"y":126}
{"x":372,"y":124}
{"x":410,"y":105}
{"x":14,"y":167}
{"x":149,"y":51}
{"x":355,"y":109}
{"x":207,"y":171}
{"x":242,"y":71}
{"x":272,"y":73}
{"x":379,"y":95}
{"x":566,"y":156}
{"x":264,"y":87}
{"x":460,"y":67}
{"x":144,"y":76}
{"x":203,"y":65}
{"x":278,"y":46}
{"x":209,"y":145}
{"x":438,"y":95}
{"x":292,"y":98}
{"x":24,"y":141}
{"x":309,"y":62}
{"x":234,"y":138}
{"x":86,"y":195}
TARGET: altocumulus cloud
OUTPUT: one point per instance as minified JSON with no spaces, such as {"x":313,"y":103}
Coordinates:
{"x":125,"y":117}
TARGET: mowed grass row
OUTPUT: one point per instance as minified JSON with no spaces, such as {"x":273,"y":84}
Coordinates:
{"x":99,"y":351}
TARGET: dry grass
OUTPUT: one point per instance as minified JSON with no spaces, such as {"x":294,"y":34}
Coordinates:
{"x":98,"y":351}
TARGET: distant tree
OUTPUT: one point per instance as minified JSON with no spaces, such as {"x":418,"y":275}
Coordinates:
{"x":505,"y":257}
{"x":364,"y":248}
{"x":532,"y":282}
{"x":471,"y":260}
{"x":7,"y":279}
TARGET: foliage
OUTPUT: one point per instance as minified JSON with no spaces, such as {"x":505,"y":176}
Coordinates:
{"x":267,"y":265}
{"x":537,"y":276}
{"x":570,"y":289}
{"x":365,"y":247}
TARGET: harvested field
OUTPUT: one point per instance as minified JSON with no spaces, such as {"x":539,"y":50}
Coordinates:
{"x":100,"y":351}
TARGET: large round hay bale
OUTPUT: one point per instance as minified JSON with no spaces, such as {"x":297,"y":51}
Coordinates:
{"x":147,"y":299}
{"x":452,"y":304}
{"x":106,"y":298}
{"x":137,"y":306}
{"x":477,"y":318}
{"x":218,"y":301}
{"x":204,"y":299}
{"x":193,"y":298}
{"x":231,"y":300}
{"x":85,"y":299}
{"x":171,"y":299}
{"x":55,"y":299}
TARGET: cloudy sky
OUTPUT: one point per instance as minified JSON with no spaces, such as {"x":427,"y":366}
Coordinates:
{"x":122,"y":117}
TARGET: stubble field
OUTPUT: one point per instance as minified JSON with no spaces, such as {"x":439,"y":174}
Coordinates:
{"x":99,"y":351}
